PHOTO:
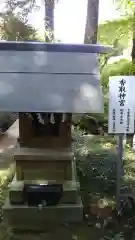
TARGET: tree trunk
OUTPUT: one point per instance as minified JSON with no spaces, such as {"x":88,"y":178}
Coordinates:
{"x":91,"y":28}
{"x":49,"y":20}
{"x":133,"y":48}
{"x":133,"y":60}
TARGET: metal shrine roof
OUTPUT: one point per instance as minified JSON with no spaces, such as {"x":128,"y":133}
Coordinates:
{"x":54,"y":47}
{"x":50,"y":77}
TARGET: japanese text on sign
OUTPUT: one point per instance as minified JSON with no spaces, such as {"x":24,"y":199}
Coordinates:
{"x":122,"y":95}
{"x":122,"y":92}
{"x":114,"y":119}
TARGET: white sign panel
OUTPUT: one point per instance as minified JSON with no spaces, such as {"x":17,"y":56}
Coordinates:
{"x":121,"y":104}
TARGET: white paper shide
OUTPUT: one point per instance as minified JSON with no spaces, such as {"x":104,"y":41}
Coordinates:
{"x":121,"y":105}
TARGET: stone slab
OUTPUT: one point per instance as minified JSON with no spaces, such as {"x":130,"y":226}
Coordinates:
{"x":61,"y":165}
{"x":46,"y":142}
{"x":70,"y":190}
{"x":41,"y":174}
{"x":43,"y":154}
{"x":34,"y":218}
{"x":48,"y":170}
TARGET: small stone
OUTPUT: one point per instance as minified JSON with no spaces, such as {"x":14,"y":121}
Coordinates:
{"x":98,"y":225}
{"x":86,"y":216}
{"x":40,"y":207}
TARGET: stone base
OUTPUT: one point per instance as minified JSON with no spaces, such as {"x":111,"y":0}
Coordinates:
{"x":22,"y":217}
{"x":35,"y":163}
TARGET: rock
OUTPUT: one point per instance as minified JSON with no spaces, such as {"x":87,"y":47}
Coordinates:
{"x":98,"y":225}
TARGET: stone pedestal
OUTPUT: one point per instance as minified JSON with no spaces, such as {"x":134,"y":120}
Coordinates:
{"x":43,"y":161}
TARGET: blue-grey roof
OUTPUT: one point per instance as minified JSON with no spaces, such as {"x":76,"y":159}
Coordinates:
{"x":54,"y":47}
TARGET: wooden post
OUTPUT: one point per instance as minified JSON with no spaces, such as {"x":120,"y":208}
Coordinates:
{"x":119,"y":170}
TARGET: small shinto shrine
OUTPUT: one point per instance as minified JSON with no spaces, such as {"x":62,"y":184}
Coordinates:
{"x":46,"y":84}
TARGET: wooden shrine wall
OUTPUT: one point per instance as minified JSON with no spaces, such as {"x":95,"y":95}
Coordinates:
{"x":30,"y":137}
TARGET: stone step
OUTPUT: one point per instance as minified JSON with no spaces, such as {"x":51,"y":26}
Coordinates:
{"x":22,"y":217}
{"x":70,"y":190}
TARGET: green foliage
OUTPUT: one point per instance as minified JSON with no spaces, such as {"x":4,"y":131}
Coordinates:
{"x":116,"y":33}
{"x":14,"y":24}
{"x":123,"y":67}
{"x":118,"y":29}
{"x":23,"y":7}
{"x":126,"y":6}
{"x":118,"y":236}
{"x":12,"y":28}
{"x":118,"y":50}
{"x":89,"y":123}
